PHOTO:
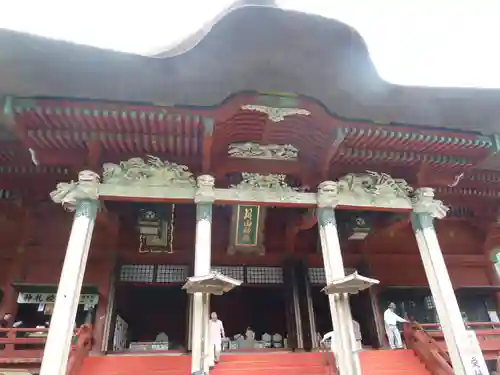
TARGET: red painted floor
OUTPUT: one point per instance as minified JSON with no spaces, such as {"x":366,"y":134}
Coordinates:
{"x":373,"y":362}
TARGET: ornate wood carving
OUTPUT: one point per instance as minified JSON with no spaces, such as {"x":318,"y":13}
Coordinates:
{"x":276,"y":114}
{"x":70,"y":194}
{"x":152,"y":172}
{"x":250,"y":150}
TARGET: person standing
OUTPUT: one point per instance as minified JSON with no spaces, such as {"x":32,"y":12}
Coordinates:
{"x":391,"y":320}
{"x":6,"y":321}
{"x":216,"y":334}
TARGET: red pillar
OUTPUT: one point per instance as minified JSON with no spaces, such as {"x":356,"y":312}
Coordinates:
{"x":490,"y":247}
{"x":9,"y":300}
{"x":15,"y":271}
{"x":104,"y":287}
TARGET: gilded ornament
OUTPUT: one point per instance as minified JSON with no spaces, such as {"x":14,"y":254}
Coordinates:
{"x":276,"y":114}
{"x":251,"y":150}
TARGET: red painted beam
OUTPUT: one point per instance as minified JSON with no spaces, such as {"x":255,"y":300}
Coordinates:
{"x":70,"y":158}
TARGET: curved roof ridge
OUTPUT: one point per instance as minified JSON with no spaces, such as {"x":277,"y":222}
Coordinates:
{"x":251,"y":47}
{"x":187,"y":43}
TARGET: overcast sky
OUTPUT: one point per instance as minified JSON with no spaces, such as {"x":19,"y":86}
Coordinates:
{"x":424,"y":42}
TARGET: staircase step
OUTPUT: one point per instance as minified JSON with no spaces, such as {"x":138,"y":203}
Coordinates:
{"x":391,"y":362}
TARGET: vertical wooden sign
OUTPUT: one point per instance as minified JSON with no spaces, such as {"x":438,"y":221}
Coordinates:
{"x":247,"y":230}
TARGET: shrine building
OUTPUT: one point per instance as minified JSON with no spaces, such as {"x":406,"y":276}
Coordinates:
{"x":253,"y":172}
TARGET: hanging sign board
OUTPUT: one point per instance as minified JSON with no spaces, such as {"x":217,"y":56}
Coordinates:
{"x":247,"y":229}
{"x":247,"y":219}
{"x":48,"y":298}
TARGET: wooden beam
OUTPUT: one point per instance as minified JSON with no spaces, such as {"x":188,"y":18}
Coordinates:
{"x":208,"y":130}
{"x":108,"y":221}
{"x":299,"y":223}
{"x":233,"y":165}
{"x":70,"y":158}
{"x":94,"y":153}
{"x":394,"y":226}
{"x":242,"y":196}
{"x":429,"y":175}
{"x":402,"y":259}
{"x":339,"y":137}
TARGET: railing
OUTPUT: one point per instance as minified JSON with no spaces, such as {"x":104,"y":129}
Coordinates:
{"x":426,"y":348}
{"x":488,"y":336}
{"x":80,"y":350}
{"x":25,"y":345}
{"x":328,"y":358}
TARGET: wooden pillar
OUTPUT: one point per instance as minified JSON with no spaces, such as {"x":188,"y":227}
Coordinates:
{"x":491,"y":248}
{"x":105,"y":288}
{"x":107,"y":268}
{"x":16,"y":267}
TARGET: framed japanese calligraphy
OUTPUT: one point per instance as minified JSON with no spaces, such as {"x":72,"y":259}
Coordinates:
{"x":247,"y":230}
{"x":48,"y":298}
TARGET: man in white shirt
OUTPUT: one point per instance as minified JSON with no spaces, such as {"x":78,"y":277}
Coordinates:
{"x":328,"y":339}
{"x":391,"y":320}
{"x":215,"y":336}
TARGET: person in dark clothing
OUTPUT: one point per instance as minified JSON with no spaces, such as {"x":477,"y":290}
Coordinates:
{"x":6,"y":321}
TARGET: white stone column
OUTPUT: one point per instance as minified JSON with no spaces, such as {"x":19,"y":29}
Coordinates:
{"x":206,"y":325}
{"x":346,"y":356}
{"x":80,"y":197}
{"x":426,"y":209}
{"x":202,"y":266}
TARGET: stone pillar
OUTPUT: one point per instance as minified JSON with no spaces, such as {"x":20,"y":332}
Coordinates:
{"x":347,"y":358}
{"x":426,"y":209}
{"x":202,"y":266}
{"x":80,"y":197}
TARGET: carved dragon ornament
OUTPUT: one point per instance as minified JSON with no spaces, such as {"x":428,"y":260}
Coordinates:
{"x":152,"y":172}
{"x":424,"y":203}
{"x":380,"y":187}
{"x":69,"y":194}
